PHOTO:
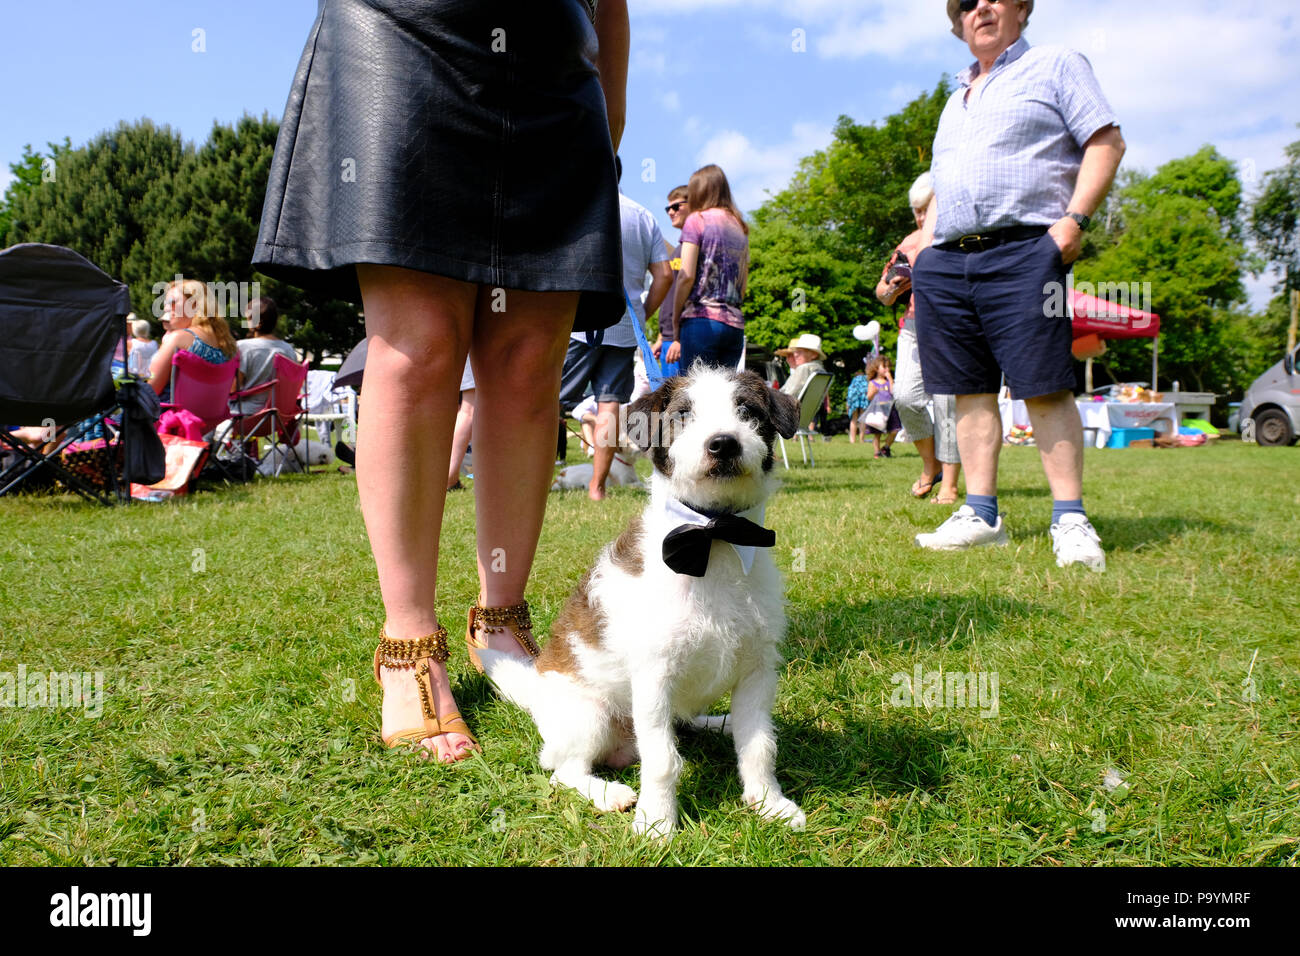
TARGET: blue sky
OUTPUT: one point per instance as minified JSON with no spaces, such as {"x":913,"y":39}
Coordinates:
{"x":750,"y":84}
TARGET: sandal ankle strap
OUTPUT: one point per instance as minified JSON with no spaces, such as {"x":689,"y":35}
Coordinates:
{"x":405,"y":653}
{"x":495,"y":620}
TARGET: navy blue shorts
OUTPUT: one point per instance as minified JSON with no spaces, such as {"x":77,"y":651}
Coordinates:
{"x":607,"y":367}
{"x":982,"y":315}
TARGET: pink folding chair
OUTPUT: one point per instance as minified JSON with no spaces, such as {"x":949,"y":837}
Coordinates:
{"x":202,"y":388}
{"x":282,"y":416}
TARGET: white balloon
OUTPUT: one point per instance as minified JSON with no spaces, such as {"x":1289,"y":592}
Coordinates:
{"x":873,"y":330}
{"x":863,"y":332}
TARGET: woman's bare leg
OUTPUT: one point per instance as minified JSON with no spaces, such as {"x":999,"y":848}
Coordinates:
{"x":419,"y":328}
{"x":517,"y":357}
{"x":460,"y":439}
{"x":951,"y":474}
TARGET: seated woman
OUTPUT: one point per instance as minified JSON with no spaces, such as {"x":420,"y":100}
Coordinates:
{"x":142,"y":347}
{"x":256,"y":355}
{"x":193,"y":326}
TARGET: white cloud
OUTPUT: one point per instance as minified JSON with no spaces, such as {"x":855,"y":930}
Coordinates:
{"x":671,"y":101}
{"x":754,"y":169}
{"x":903,"y":93}
{"x":647,"y":61}
{"x":1179,"y":73}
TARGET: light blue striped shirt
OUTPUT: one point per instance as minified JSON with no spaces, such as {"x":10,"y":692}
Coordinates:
{"x":1011,"y":155}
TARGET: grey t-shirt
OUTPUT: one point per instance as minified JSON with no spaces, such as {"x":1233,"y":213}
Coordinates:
{"x":256,"y":362}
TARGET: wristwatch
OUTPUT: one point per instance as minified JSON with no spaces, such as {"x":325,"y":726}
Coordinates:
{"x":1083,"y":221}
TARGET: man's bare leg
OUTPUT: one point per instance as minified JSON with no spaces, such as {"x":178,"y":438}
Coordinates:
{"x":606,"y":444}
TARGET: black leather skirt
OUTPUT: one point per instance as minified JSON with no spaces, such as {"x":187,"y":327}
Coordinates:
{"x":457,"y":137}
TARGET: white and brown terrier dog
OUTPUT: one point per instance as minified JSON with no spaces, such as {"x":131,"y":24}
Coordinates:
{"x":641,"y":643}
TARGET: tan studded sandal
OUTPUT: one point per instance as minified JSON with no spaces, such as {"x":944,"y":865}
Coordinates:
{"x":494,"y":620}
{"x":415,"y":653}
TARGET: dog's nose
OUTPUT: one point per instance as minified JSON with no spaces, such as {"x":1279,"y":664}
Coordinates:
{"x":724,"y":446}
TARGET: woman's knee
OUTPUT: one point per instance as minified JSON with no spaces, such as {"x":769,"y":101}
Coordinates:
{"x":417,"y":370}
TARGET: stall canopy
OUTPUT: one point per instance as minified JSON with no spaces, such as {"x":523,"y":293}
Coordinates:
{"x":1094,"y":316}
{"x":1095,"y":320}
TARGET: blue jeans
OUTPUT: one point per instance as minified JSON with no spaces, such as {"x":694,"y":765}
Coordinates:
{"x":715,"y":343}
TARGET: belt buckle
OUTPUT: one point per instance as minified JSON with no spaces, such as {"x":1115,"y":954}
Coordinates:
{"x":977,"y":243}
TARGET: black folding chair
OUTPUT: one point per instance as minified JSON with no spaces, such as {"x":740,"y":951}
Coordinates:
{"x":62,"y":320}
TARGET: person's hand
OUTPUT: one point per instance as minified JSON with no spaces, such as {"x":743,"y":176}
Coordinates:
{"x":1068,"y":238}
{"x":657,"y":346}
{"x":674,"y":352}
{"x":899,"y":284}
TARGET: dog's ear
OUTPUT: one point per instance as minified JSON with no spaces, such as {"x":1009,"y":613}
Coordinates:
{"x":645,"y":415}
{"x":785,"y":412}
{"x":782,"y":410}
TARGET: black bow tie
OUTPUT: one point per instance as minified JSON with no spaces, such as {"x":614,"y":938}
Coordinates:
{"x":686,"y":547}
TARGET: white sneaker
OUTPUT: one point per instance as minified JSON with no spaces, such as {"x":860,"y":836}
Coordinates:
{"x":1075,"y":541}
{"x":964,"y":529}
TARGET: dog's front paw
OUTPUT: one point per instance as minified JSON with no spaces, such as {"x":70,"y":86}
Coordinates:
{"x":658,"y":829}
{"x":778,"y":808}
{"x":658,"y":823}
{"x":614,"y":798}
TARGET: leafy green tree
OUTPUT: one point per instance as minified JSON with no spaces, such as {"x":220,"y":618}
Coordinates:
{"x":796,"y":286}
{"x":223,"y":189}
{"x":1254,"y":342}
{"x":28,"y":174}
{"x":1275,"y":218}
{"x":106,"y":200}
{"x":818,"y":246}
{"x":854,"y":192}
{"x":1181,"y":234}
{"x":145,"y":206}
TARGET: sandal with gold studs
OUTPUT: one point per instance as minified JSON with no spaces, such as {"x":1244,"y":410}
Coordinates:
{"x":494,"y":620}
{"x":415,"y":654}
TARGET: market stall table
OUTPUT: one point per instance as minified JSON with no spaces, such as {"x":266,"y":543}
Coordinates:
{"x":1101,"y":418}
{"x":1105,"y":417}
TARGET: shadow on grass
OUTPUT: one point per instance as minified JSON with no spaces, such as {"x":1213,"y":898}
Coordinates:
{"x":827,"y":635}
{"x":894,"y":755}
{"x":1125,"y":533}
{"x":891,"y":757}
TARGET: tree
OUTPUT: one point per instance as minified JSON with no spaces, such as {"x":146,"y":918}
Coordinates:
{"x":854,"y":192}
{"x":817,"y":247}
{"x":1181,"y":237}
{"x":145,"y":206}
{"x":1275,"y":218}
{"x":796,"y":286}
{"x":224,"y":186}
{"x":28,"y":174}
{"x":1254,"y":342}
{"x":106,"y":200}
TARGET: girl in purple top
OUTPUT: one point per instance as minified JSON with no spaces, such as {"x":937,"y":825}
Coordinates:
{"x":715,"y":266}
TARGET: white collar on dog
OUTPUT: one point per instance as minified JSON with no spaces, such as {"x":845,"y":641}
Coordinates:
{"x":676,"y":513}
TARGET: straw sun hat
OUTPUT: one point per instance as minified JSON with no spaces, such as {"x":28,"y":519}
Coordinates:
{"x":813,"y":343}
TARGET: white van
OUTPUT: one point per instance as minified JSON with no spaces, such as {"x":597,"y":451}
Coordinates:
{"x":1272,"y":403}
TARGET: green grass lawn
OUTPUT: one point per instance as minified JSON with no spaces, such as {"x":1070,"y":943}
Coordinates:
{"x":239,"y":721}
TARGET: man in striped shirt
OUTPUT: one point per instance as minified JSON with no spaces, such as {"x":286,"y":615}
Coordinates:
{"x":1026,"y":150}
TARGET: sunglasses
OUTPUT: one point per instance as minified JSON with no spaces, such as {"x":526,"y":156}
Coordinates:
{"x":675,"y":206}
{"x":966,"y":6}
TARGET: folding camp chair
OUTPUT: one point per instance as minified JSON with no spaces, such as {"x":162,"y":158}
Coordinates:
{"x":810,"y":399}
{"x":61,"y":322}
{"x":281,"y":418}
{"x":203,"y":390}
